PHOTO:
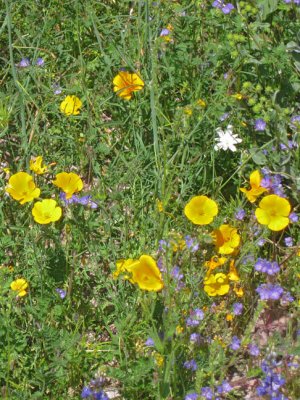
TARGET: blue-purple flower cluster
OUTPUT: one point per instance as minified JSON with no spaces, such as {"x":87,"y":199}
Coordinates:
{"x":226,"y":8}
{"x":94,"y":390}
{"x":84,"y":200}
{"x":209,"y":394}
{"x":273,"y":382}
{"x":267,"y":267}
{"x":25,"y":62}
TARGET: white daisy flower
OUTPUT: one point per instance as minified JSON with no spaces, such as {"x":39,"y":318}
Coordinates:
{"x":227,"y":139}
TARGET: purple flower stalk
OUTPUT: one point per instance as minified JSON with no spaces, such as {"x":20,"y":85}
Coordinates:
{"x":240,"y":214}
{"x":24,"y":63}
{"x":192,"y":396}
{"x":267,"y":291}
{"x":225,"y":387}
{"x":253,"y":350}
{"x":237,"y":308}
{"x":195,"y":317}
{"x":235,"y":343}
{"x":267,"y":267}
{"x":192,"y":365}
{"x":191,"y":243}
{"x":207,"y":393}
{"x":195,"y":338}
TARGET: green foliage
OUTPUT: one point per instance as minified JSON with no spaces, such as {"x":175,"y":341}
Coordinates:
{"x":141,"y":161}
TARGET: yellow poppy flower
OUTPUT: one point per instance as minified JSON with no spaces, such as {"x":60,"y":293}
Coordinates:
{"x":122,"y":267}
{"x":256,"y":190}
{"x":70,"y":183}
{"x":126,"y":83}
{"x":226,"y":239}
{"x":215,"y":262}
{"x":46,"y":211}
{"x":201,"y":210}
{"x":216,"y":284}
{"x":146,"y":274}
{"x":273,"y":211}
{"x":22,"y":188}
{"x":71,"y":105}
{"x":229,"y":317}
{"x":36,"y":166}
{"x":239,"y":291}
{"x":233,"y":274}
{"x":19,"y":285}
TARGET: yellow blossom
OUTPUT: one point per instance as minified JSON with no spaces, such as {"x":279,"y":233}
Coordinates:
{"x":126,"y":83}
{"x":159,"y":205}
{"x":71,"y":105}
{"x":233,"y":274}
{"x":158,"y":358}
{"x":216,"y":284}
{"x":201,"y":103}
{"x":238,"y":291}
{"x":238,"y":96}
{"x":70,"y":183}
{"x":179,"y":330}
{"x":215,"y":262}
{"x":201,"y":210}
{"x":226,"y":239}
{"x":145,"y":273}
{"x":273,"y":211}
{"x":36,"y":166}
{"x":22,"y":188}
{"x":122,"y":267}
{"x":19,"y":285}
{"x":188,"y":111}
{"x":229,"y":317}
{"x":46,"y":211}
{"x":256,"y":189}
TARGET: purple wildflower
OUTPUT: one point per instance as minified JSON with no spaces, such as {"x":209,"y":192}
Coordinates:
{"x":224,"y":116}
{"x":86,"y":392}
{"x":62,"y":293}
{"x":149,"y":342}
{"x":207,"y":393}
{"x":226,"y":8}
{"x":288,"y":241}
{"x":261,"y":242}
{"x":192,"y":396}
{"x":260,"y":125}
{"x":56,"y":88}
{"x":225,"y":387}
{"x":164,"y":32}
{"x":293,"y":217}
{"x":192,"y":365}
{"x":196,"y":316}
{"x":286,"y":298}
{"x":295,"y":121}
{"x":40,"y":62}
{"x":267,"y":267}
{"x":267,"y":291}
{"x":237,"y":308}
{"x":273,"y":183}
{"x":24,"y":63}
{"x":240,"y":214}
{"x":253,"y":350}
{"x":235,"y":343}
{"x":191,"y":243}
{"x":195,"y":338}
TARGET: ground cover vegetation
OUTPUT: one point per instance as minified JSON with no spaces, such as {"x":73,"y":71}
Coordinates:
{"x":150,"y":244}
